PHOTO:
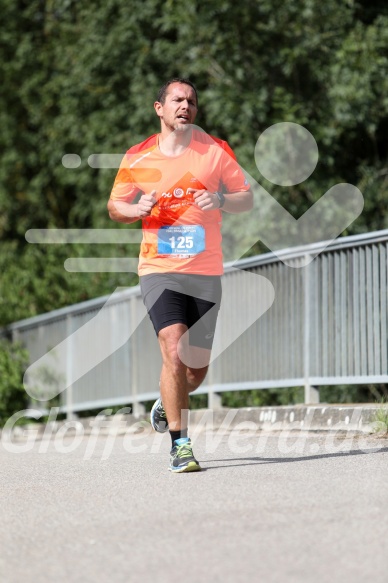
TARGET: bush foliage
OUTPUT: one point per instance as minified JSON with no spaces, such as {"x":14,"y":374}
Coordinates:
{"x":13,"y":362}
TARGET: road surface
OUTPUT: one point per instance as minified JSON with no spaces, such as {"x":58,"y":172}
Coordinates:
{"x":285,"y":507}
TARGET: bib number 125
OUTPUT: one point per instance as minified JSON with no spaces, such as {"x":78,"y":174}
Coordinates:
{"x":181,"y":240}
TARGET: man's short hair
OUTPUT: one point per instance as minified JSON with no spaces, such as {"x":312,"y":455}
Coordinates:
{"x":163,"y":90}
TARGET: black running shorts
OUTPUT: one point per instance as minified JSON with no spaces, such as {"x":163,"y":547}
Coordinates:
{"x":173,"y":298}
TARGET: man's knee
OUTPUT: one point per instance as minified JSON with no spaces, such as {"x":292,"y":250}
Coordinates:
{"x":168,"y":340}
{"x":195,"y":376}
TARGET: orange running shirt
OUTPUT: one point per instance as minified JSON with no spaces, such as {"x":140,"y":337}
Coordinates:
{"x":178,"y":236}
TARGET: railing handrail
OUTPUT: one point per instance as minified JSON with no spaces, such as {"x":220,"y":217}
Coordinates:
{"x":254,"y":261}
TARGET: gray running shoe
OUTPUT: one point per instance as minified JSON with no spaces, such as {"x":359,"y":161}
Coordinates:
{"x":158,"y":417}
{"x":182,"y":458}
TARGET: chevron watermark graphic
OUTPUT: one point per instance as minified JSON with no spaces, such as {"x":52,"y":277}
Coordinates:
{"x":286,"y":154}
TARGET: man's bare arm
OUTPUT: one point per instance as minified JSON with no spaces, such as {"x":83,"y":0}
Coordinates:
{"x":124,"y":212}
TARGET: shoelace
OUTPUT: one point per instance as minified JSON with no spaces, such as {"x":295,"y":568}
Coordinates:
{"x":162,"y":412}
{"x":184,"y":450}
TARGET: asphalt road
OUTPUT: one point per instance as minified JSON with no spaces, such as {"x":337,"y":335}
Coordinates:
{"x":274,"y":508}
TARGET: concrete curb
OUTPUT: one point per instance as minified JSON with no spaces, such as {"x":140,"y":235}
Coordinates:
{"x":341,"y":418}
{"x":355,"y":418}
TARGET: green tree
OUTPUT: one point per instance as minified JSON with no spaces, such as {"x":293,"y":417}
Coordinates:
{"x":81,"y":77}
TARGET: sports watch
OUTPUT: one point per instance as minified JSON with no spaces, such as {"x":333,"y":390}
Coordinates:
{"x":221,"y":198}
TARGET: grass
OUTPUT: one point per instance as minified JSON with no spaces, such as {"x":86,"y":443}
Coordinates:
{"x":380,"y":421}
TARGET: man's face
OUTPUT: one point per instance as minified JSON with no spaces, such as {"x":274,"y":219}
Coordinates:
{"x":179,"y":109}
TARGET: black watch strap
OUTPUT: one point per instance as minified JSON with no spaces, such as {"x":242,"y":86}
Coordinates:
{"x":221,"y":198}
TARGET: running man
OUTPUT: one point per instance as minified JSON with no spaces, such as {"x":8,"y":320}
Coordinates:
{"x":176,"y":182}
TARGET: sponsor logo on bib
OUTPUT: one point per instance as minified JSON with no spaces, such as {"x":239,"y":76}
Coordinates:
{"x":179,"y":192}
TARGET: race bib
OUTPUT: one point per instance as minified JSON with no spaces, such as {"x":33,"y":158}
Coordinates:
{"x":181,"y":240}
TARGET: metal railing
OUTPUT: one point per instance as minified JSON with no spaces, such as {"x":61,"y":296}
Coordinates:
{"x":327,"y":325}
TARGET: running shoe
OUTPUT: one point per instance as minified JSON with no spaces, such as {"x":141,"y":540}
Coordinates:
{"x":182,"y":458}
{"x":158,"y":417}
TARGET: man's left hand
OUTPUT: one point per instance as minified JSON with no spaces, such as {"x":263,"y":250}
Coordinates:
{"x":205,"y":200}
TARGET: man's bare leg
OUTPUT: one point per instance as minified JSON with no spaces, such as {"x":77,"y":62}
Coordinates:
{"x":176,"y":380}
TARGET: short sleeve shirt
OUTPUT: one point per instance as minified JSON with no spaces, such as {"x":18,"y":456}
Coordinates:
{"x":178,"y":236}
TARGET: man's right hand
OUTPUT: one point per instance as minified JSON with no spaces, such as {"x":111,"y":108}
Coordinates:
{"x":125,"y":212}
{"x":146,"y":203}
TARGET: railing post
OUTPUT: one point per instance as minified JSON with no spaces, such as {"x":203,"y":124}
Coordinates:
{"x":138,"y":409}
{"x":69,"y":369}
{"x":214,"y":400}
{"x":311,"y":394}
{"x":134,"y":358}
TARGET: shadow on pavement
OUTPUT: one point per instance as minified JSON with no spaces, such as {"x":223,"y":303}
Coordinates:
{"x":279,"y":460}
